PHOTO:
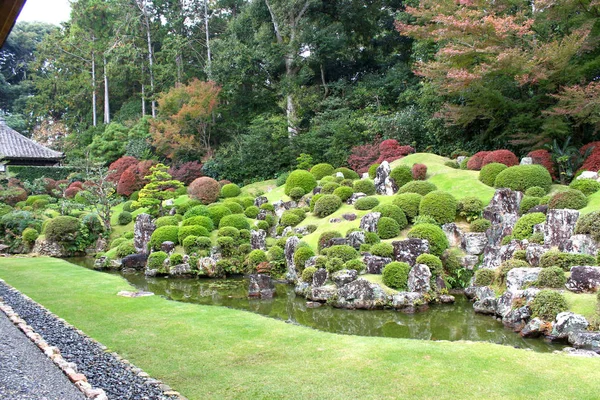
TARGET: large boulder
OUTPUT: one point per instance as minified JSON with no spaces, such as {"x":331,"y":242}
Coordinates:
{"x":494,"y":256}
{"x":361,"y":294}
{"x":469,"y":261}
{"x":535,"y":252}
{"x":584,"y":279}
{"x":322,"y":293}
{"x":375,"y":264}
{"x":418,"y":278}
{"x":504,"y":303}
{"x":559,"y":226}
{"x":408,"y":301}
{"x":344,"y":277}
{"x":282,"y":206}
{"x":567,"y":323}
{"x":409,"y":249}
{"x":479,"y":292}
{"x":383,"y":183}
{"x":320,"y":277}
{"x":579,"y":244}
{"x":142,"y":231}
{"x":517,"y":319}
{"x":474,"y":243}
{"x":585,"y":340}
{"x":355,"y":239}
{"x":168,"y":247}
{"x":485,"y":306}
{"x":45,"y":247}
{"x":260,"y":286}
{"x":258,"y":239}
{"x":369,"y":222}
{"x":290,"y":248}
{"x":260,"y":200}
{"x":180,"y":270}
{"x":533,"y":329}
{"x":517,"y":278}
{"x":135,"y":261}
{"x":503,"y":213}
{"x":453,"y":233}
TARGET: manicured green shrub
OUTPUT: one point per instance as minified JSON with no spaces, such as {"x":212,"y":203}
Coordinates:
{"x":565,"y":261}
{"x":196,"y":211}
{"x":276,"y":253}
{"x":452,"y":164}
{"x":321,"y":170}
{"x":229,"y":231}
{"x":62,"y":229}
{"x":544,"y":200}
{"x":167,"y":221}
{"x":254,"y":258}
{"x":347,"y":172}
{"x":589,"y":224}
{"x":29,"y":235}
{"x":251,"y":212}
{"x":236,"y":220}
{"x":164,"y":234}
{"x":115,"y":243}
{"x":573,"y":199}
{"x":470,"y":208}
{"x":325,"y":237}
{"x":419,"y":187}
{"x":296,"y":193}
{"x":552,"y":277}
{"x":395,"y":275}
{"x":528,"y":203}
{"x":506,"y":266}
{"x":300,"y":178}
{"x":189,"y":244}
{"x":520,"y":255}
{"x":485,"y":276}
{"x":313,"y":201}
{"x":217,"y":212}
{"x":465,"y":163}
{"x":365,"y":186}
{"x":307,"y":274}
{"x":328,"y":188}
{"x":326,"y":205}
{"x":334,"y":264}
{"x":489,"y":172}
{"x":366,"y":203}
{"x":387,"y":228}
{"x":191,"y":230}
{"x":371,"y":238}
{"x":327,"y":179}
{"x":586,"y":186}
{"x":434,"y":235}
{"x":343,"y":251}
{"x":234,"y":207}
{"x":523,"y":177}
{"x":382,"y":249}
{"x":433,"y":262}
{"x":230,"y":190}
{"x":126,"y":248}
{"x":365,"y":248}
{"x":282,"y":178}
{"x":289,"y":219}
{"x":394,"y":212}
{"x":301,"y":256}
{"x":547,"y":304}
{"x":480,"y":225}
{"x":440,"y":205}
{"x":175,"y":259}
{"x":206,"y":222}
{"x":535,"y":191}
{"x":156,"y":260}
{"x":356,"y":265}
{"x":373,"y":170}
{"x":124,"y":218}
{"x":343,"y":192}
{"x":401,"y":175}
{"x":409,"y":203}
{"x":267,"y":207}
{"x":524,"y":227}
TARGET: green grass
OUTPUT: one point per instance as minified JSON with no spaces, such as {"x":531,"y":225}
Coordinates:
{"x":218,"y":353}
{"x":584,"y":304}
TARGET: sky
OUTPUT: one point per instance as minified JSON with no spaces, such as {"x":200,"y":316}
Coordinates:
{"x":52,"y":11}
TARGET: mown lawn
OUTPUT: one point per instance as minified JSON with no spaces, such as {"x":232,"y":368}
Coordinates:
{"x":218,"y":353}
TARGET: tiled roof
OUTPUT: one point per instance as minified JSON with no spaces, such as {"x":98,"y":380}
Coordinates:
{"x":14,"y":145}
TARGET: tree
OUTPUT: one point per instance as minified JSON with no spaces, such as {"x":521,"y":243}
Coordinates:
{"x":101,"y":195}
{"x":161,"y":187}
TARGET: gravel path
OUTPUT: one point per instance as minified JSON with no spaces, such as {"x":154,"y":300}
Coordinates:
{"x":26,"y":373}
{"x":103,"y":370}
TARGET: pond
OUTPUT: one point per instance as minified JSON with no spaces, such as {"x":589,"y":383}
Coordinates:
{"x":451,"y":322}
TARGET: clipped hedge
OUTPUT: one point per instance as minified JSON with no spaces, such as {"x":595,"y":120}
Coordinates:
{"x":480,"y":225}
{"x":382,"y":249}
{"x":164,"y":234}
{"x":234,"y":207}
{"x":301,"y":256}
{"x":401,"y":175}
{"x":433,"y":234}
{"x":440,"y":205}
{"x":573,"y":199}
{"x":505,"y":157}
{"x":230,"y":190}
{"x":200,"y":220}
{"x":523,"y":177}
{"x":31,"y":173}
{"x":409,"y":203}
{"x":395,"y":275}
{"x":366,"y":203}
{"x":565,"y":261}
{"x":326,"y":205}
{"x":238,"y":221}
{"x":321,"y":170}
{"x":433,"y":262}
{"x":586,"y":186}
{"x":547,"y":304}
{"x":419,"y":187}
{"x":156,"y":260}
{"x":251,"y":212}
{"x":365,"y":186}
{"x":488,"y":173}
{"x":373,"y":170}
{"x":589,"y":224}
{"x":167,"y":221}
{"x":552,"y":277}
{"x":204,"y":189}
{"x":394,"y":212}
{"x":342,"y":251}
{"x":387,"y":228}
{"x":300,"y":178}
{"x":217,"y":212}
{"x":535,"y":191}
{"x":124,"y":218}
{"x":524,"y":227}
{"x":343,"y":192}
{"x":62,"y":229}
{"x":347,"y":172}
{"x":528,"y":203}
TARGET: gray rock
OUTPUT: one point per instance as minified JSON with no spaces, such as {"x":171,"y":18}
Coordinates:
{"x":262,"y":215}
{"x":526,"y":161}
{"x":494,"y":256}
{"x":409,"y":249}
{"x":517,"y":278}
{"x":135,"y":261}
{"x":142,"y":231}
{"x":349,"y":217}
{"x":151,"y":273}
{"x":588,"y":175}
{"x":504,"y":303}
{"x":469,"y":262}
{"x":335,"y":220}
{"x":260,"y":286}
{"x":375,"y":264}
{"x":369,"y":221}
{"x":542,"y":208}
{"x":311,"y":262}
{"x":517,"y":319}
{"x":534,"y":252}
{"x":485,"y":306}
{"x":567,"y":323}
{"x":320,"y":277}
{"x":440,"y":283}
{"x":503,"y":213}
{"x":260,"y":200}
{"x":354,"y":198}
{"x":335,"y":242}
{"x":45,"y":247}
{"x":282,"y":206}
{"x":418,"y":278}
{"x":474,"y":243}
{"x":578,"y":352}
{"x":303,"y":230}
{"x":408,"y":301}
{"x":322,"y":293}
{"x":290,"y":248}
{"x":585,"y":340}
{"x":339,"y":175}
{"x":344,"y":277}
{"x":167,"y":247}
{"x":580,"y":244}
{"x":453,"y":234}
{"x":361,"y":294}
{"x":383,"y":183}
{"x":313,"y":304}
{"x":287,"y":231}
{"x":479,"y":292}
{"x":258,"y":239}
{"x":533,"y":329}
{"x":208,"y":266}
{"x":447,"y":299}
{"x":302,"y":288}
{"x":584,"y":279}
{"x":180,"y":270}
{"x":559,"y":226}
{"x":317,"y":190}
{"x":460,"y":159}
{"x":355,"y":239}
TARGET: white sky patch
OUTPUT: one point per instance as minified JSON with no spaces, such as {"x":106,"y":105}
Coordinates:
{"x":51,"y":11}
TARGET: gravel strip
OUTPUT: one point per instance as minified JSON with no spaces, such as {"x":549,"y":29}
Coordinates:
{"x":26,"y":373}
{"x":118,"y":378}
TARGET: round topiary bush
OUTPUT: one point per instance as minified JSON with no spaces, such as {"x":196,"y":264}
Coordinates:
{"x":365,"y":186}
{"x":29,"y":235}
{"x":254,"y":258}
{"x":387,"y":228}
{"x":589,"y":224}
{"x":267,"y":207}
{"x":334,"y":264}
{"x":480,"y":225}
{"x":356,"y":265}
{"x":547,"y":304}
{"x":469,"y":208}
{"x":307,"y":274}
{"x":488,"y":173}
{"x":217,"y":212}
{"x":382,"y":249}
{"x":125,"y":218}
{"x":167,"y":221}
{"x":204,"y":189}
{"x":289,"y":219}
{"x":401,"y":175}
{"x":484,"y":276}
{"x":523,"y":177}
{"x":234,"y":207}
{"x":439,"y":205}
{"x":586,"y":186}
{"x":528,"y":203}
{"x":505,"y":157}
{"x":419,"y":187}
{"x":552,"y":277}
{"x":395,"y":275}
{"x":474,"y":163}
{"x":373,"y":170}
{"x":191,"y":230}
{"x":366,"y":203}
{"x":175,"y":259}
{"x":321,"y":170}
{"x":297,"y":193}
{"x":433,"y":262}
{"x":251,"y":212}
{"x":126,"y":248}
{"x":229,"y":231}
{"x":62,"y":229}
{"x":164,"y":234}
{"x":301,"y":256}
{"x":409,"y":203}
{"x":419,"y":172}
{"x":325,"y":237}
{"x":343,"y":192}
{"x":573,"y":199}
{"x":329,"y":187}
{"x":236,"y":220}
{"x":327,"y":205}
{"x":535,"y":191}
{"x":342,"y":251}
{"x":313,"y":201}
{"x":206,"y":222}
{"x":555,"y":258}
{"x":524,"y":227}
{"x":433,"y":234}
{"x":156,"y":260}
{"x":230,"y":190}
{"x":300,"y":178}
{"x":347,"y":172}
{"x":394,"y":212}
{"x":196,"y":211}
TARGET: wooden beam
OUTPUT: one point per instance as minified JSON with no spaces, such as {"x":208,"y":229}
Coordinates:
{"x":9,"y":11}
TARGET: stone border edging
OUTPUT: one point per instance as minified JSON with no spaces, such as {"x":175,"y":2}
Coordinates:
{"x":70,"y":368}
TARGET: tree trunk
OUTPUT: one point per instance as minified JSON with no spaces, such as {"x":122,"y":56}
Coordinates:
{"x":94,"y":91}
{"x":143,"y":101}
{"x":208,"y":56}
{"x":106,"y":98}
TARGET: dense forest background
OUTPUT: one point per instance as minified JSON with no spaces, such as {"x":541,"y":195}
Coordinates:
{"x":252,"y":88}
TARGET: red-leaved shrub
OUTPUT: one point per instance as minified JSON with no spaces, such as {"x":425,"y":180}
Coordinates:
{"x":362,"y":157}
{"x":419,"y":172}
{"x":186,"y":172}
{"x":49,"y":185}
{"x":505,"y":157}
{"x":595,"y":146}
{"x":224,"y":182}
{"x":390,"y":150}
{"x":13,"y":195}
{"x":76,"y":184}
{"x":129,"y":182}
{"x":544,"y":158}
{"x":592,"y":163}
{"x":205,"y":189}
{"x":14,"y":182}
{"x":474,"y":163}
{"x":119,"y":166}
{"x":71,"y":191}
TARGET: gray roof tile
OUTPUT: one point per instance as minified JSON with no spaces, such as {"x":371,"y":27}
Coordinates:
{"x":14,"y":145}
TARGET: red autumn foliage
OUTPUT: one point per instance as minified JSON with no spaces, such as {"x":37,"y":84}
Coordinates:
{"x":76,"y":184}
{"x":49,"y":185}
{"x":128,"y":183}
{"x":475,"y":162}
{"x":72,"y":191}
{"x":14,"y":182}
{"x":362,"y":157}
{"x":119,"y":166}
{"x":419,"y":172}
{"x":543,"y":158}
{"x":142,"y":170}
{"x":505,"y":157}
{"x":186,"y":172}
{"x":595,"y":146}
{"x":205,"y":189}
{"x":13,"y":195}
{"x":224,"y":182}
{"x":592,"y":163}
{"x":390,"y":150}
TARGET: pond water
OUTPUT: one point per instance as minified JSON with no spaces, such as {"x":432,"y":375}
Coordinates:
{"x":452,"y":322}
